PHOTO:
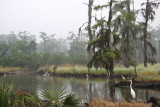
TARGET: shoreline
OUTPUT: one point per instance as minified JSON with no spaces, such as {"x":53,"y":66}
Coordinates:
{"x":123,"y":83}
{"x":146,"y":77}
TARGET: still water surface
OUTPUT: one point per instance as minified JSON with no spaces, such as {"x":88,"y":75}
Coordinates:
{"x":83,"y":88}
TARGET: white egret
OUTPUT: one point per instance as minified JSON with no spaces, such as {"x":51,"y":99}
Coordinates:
{"x":17,"y":72}
{"x":87,"y":76}
{"x":123,"y":77}
{"x":45,"y":75}
{"x":132,"y":91}
{"x":5,"y":75}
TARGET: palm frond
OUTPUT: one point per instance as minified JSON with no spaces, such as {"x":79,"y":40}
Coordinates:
{"x":53,"y":97}
{"x":71,"y":101}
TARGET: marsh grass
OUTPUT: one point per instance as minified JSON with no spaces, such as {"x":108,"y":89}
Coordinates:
{"x":9,"y":69}
{"x":151,"y":73}
{"x":103,"y":103}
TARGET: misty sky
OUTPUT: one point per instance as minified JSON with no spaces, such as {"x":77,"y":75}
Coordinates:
{"x":50,"y":16}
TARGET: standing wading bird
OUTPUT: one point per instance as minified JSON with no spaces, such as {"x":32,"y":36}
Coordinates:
{"x":5,"y":75}
{"x":87,"y":76}
{"x":132,"y":91}
{"x":123,"y":77}
{"x":17,"y":72}
{"x":46,"y":74}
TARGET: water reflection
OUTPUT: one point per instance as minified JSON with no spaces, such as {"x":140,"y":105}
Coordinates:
{"x":84,"y":89}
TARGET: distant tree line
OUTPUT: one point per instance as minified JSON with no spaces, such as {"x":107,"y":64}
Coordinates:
{"x":22,"y":50}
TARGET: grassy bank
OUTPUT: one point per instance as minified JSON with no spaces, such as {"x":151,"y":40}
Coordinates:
{"x":103,"y":103}
{"x":151,"y":73}
{"x":9,"y":69}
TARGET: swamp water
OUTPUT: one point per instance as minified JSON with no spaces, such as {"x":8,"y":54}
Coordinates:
{"x":83,"y":88}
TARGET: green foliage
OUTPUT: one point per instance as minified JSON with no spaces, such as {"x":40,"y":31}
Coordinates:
{"x":151,"y":7}
{"x":152,"y":61}
{"x":77,"y":51}
{"x":17,"y":59}
{"x":153,"y":49}
{"x":21,"y":50}
{"x":99,"y":7}
{"x":21,"y":97}
{"x":32,"y":46}
{"x":91,"y":43}
{"x":53,"y":97}
{"x":124,"y":24}
{"x":4,"y":47}
{"x":59,"y":97}
{"x":6,"y":94}
{"x":99,"y":23}
{"x":116,"y":39}
{"x":71,"y":101}
{"x":109,"y":55}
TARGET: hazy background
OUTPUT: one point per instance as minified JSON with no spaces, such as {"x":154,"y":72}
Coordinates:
{"x":50,"y":16}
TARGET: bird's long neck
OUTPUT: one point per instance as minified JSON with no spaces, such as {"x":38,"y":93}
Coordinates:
{"x":131,"y":84}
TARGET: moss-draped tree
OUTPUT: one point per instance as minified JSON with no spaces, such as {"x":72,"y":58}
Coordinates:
{"x":148,"y":13}
{"x":124,"y":24}
{"x":89,"y":25}
{"x":104,"y":49}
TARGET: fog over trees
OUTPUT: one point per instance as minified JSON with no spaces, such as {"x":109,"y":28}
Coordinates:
{"x":134,"y":40}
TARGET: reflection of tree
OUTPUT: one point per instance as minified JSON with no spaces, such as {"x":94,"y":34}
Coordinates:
{"x":112,"y":91}
{"x":126,"y":94}
{"x":118,"y":94}
{"x":109,"y":92}
{"x":90,"y":91}
{"x":147,"y":94}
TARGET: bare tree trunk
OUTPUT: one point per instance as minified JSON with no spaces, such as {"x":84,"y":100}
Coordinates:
{"x":111,"y":66}
{"x":135,"y":61}
{"x":111,"y":78}
{"x":126,"y":59}
{"x":145,"y":34}
{"x":127,"y":34}
{"x":145,"y":49}
{"x":126,"y":42}
{"x":89,"y":25}
{"x":127,"y":51}
{"x":135,"y":54}
{"x":159,"y":50}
